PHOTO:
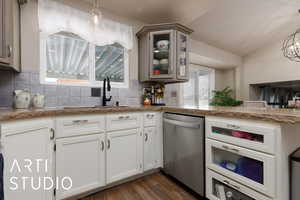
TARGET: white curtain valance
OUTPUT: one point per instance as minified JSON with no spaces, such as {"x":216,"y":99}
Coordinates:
{"x":55,"y":17}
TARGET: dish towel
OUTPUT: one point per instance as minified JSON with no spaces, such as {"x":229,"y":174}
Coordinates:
{"x":1,"y":177}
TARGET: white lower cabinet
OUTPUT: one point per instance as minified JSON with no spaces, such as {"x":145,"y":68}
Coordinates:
{"x":124,"y":154}
{"x":219,"y":187}
{"x":150,"y":148}
{"x":27,"y":147}
{"x":255,"y":169}
{"x":82,"y":159}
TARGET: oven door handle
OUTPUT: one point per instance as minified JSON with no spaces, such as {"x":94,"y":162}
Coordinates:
{"x":182,"y":124}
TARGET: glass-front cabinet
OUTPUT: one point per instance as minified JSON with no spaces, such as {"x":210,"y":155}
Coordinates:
{"x":163,"y":53}
{"x":182,"y":56}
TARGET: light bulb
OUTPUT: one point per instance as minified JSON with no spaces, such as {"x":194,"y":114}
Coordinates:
{"x":96,"y":19}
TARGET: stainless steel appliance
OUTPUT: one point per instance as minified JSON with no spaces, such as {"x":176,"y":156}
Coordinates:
{"x":184,"y":150}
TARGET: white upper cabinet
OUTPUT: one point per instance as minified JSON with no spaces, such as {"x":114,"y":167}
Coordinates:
{"x":124,"y":154}
{"x":163,"y":53}
{"x":27,"y":147}
{"x":82,"y":159}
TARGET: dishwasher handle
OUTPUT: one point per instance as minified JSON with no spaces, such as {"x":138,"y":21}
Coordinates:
{"x":182,"y":124}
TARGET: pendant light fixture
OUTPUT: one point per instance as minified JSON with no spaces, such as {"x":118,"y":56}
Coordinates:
{"x":291,"y":46}
{"x":96,"y":12}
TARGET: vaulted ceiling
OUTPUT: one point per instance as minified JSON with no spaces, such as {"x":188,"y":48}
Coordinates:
{"x":238,"y":26}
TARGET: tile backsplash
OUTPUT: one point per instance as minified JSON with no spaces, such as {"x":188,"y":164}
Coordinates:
{"x":59,"y":96}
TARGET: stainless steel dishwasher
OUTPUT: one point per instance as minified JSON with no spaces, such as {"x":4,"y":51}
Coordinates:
{"x":184,"y":150}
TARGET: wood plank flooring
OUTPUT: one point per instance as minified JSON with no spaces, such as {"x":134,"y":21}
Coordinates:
{"x":152,"y":187}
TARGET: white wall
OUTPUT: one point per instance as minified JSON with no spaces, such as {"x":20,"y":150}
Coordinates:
{"x":210,"y":56}
{"x":225,"y":78}
{"x":267,"y":65}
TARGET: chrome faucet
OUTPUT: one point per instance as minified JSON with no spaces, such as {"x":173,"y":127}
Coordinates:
{"x":104,"y":99}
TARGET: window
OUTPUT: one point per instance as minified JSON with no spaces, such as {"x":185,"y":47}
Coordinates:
{"x":197,"y":91}
{"x":67,"y":59}
{"x":74,"y":51}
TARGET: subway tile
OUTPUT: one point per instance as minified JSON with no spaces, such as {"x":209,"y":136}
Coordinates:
{"x":50,"y":101}
{"x":23,"y":77}
{"x":51,"y":90}
{"x":85,"y":92}
{"x":63,"y":101}
{"x":63,"y":91}
{"x":75,"y":92}
{"x":37,"y":89}
{"x":21,"y":86}
{"x":34,"y":78}
{"x":75,"y":101}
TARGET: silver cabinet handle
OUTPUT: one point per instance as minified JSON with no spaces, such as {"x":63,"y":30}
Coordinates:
{"x":146,"y":137}
{"x":108,"y":144}
{"x":236,"y":150}
{"x":80,"y":121}
{"x":230,"y":149}
{"x":182,"y":124}
{"x":232,"y":126}
{"x":9,"y":51}
{"x":124,"y":117}
{"x":225,"y":147}
{"x":52,"y":134}
{"x":230,"y":184}
{"x":102,"y":146}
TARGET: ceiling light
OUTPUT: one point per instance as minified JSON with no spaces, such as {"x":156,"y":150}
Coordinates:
{"x":291,"y":46}
{"x":96,"y":12}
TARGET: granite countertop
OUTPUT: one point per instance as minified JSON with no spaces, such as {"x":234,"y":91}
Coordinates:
{"x":263,"y":114}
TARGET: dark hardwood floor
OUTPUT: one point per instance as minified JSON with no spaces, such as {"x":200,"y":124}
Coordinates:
{"x":152,"y":187}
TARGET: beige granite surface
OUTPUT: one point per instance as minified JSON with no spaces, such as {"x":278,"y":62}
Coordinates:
{"x":263,"y":114}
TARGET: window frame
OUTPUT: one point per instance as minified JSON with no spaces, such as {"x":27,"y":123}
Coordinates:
{"x":91,"y":82}
{"x":198,"y":68}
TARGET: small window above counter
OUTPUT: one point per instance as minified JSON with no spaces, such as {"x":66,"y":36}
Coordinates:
{"x":164,"y":53}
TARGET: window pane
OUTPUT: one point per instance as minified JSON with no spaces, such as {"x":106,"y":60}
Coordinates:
{"x":109,"y":61}
{"x":67,"y":58}
{"x":204,"y":89}
{"x":189,"y":89}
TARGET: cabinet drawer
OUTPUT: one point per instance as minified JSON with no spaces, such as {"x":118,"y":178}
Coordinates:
{"x":256,"y":136}
{"x":150,"y":119}
{"x":81,"y":125}
{"x":254,"y":169}
{"x":123,"y":121}
{"x":219,"y":187}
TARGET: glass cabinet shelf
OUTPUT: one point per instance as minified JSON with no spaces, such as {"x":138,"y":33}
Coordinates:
{"x":241,"y":165}
{"x":164,"y":53}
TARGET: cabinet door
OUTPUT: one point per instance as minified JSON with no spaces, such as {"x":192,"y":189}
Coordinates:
{"x":82,"y":159}
{"x":27,"y":154}
{"x":124,"y":154}
{"x":182,"y":56}
{"x":150,"y":148}
{"x":219,"y":187}
{"x":162,"y":54}
{"x":255,"y":169}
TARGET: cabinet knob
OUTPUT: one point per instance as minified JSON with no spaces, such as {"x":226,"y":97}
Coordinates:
{"x":108,"y":144}
{"x":9,"y":51}
{"x":146,"y":137}
{"x":52,"y":131}
{"x":102,"y":146}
